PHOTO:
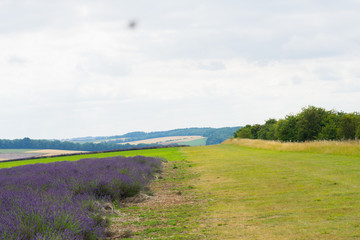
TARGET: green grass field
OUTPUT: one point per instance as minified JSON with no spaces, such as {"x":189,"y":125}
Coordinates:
{"x":267,"y":194}
{"x":172,"y":154}
{"x":197,"y":142}
{"x":251,"y":193}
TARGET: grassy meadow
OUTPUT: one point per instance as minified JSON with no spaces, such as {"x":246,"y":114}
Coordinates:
{"x":271,"y":194}
{"x":197,"y":142}
{"x":249,"y":190}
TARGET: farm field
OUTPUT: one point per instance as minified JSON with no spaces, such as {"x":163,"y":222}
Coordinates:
{"x":166,"y":208}
{"x":7,"y":154}
{"x":172,"y":154}
{"x":243,"y":192}
{"x":65,"y":200}
{"x":166,"y":140}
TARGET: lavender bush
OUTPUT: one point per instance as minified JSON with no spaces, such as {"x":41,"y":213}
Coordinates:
{"x":57,"y":200}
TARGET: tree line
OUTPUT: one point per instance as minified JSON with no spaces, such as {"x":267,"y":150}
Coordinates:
{"x":312,"y":123}
{"x":27,"y":143}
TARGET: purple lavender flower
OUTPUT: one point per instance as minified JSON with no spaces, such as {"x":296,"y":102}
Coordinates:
{"x":56,"y":200}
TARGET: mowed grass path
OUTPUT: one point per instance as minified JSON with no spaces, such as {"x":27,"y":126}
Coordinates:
{"x":267,"y":194}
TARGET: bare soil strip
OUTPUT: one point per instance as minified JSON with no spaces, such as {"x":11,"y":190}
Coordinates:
{"x":167,"y":212}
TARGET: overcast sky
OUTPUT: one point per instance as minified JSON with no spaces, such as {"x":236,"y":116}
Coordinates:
{"x":75,"y":68}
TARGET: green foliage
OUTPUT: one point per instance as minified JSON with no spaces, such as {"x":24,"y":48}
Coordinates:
{"x":358,"y":132}
{"x":310,"y":124}
{"x":267,"y":131}
{"x":286,"y":129}
{"x":244,"y":132}
{"x":330,"y":130}
{"x":219,"y":135}
{"x":348,"y":126}
{"x":255,"y":129}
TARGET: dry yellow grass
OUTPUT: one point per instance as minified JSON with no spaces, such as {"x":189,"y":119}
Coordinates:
{"x":51,"y":152}
{"x":328,"y":147}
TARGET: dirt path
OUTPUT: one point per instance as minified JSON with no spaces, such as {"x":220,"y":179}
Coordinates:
{"x":168,"y":210}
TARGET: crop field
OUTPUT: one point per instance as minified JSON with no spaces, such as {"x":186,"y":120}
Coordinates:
{"x":243,"y":191}
{"x":168,"y":153}
{"x":166,"y":140}
{"x":64,"y":200}
{"x":7,"y":154}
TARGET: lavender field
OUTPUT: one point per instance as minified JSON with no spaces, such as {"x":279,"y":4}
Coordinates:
{"x":59,"y":200}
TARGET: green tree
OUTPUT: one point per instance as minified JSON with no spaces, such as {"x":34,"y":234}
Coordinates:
{"x":267,"y":131}
{"x":286,"y":129}
{"x":244,"y":132}
{"x":330,"y":130}
{"x":255,"y":129}
{"x":358,"y":133}
{"x":310,"y":123}
{"x":348,"y":126}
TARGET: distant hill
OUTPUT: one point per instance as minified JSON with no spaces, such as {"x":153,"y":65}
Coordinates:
{"x":212,"y":135}
{"x":185,"y":136}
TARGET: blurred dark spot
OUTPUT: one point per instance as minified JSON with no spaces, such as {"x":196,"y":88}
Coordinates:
{"x":132,"y":24}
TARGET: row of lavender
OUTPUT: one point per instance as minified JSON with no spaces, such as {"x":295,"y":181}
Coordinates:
{"x":58,"y":200}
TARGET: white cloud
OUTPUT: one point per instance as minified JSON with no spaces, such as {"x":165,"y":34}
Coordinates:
{"x":74,"y":68}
